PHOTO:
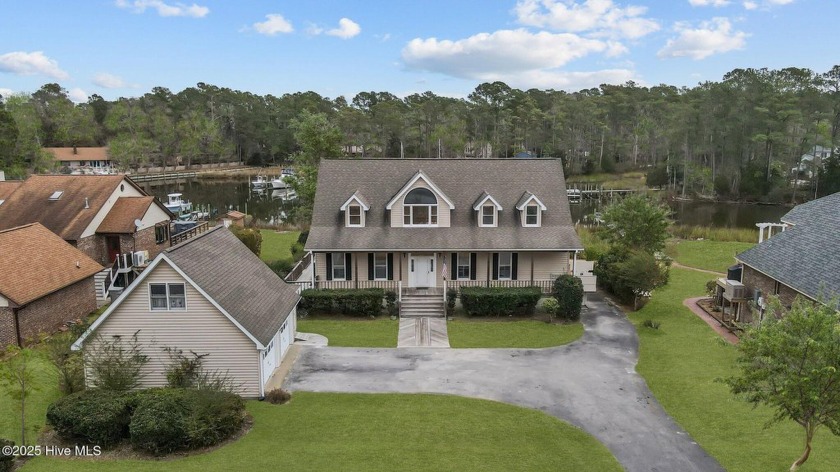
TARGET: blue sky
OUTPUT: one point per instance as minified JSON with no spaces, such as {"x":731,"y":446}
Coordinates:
{"x":125,"y":47}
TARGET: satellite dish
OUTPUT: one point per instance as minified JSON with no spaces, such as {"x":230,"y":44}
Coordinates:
{"x":138,"y":223}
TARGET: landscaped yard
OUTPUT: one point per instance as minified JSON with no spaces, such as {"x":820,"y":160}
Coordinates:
{"x":511,"y":334}
{"x":681,"y":361}
{"x":276,"y":246}
{"x":349,"y":332}
{"x":709,"y":255}
{"x":385,"y":432}
{"x":44,"y":391}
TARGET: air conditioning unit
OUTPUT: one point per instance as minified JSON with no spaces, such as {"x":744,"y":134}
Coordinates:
{"x":140,"y":258}
{"x":735,"y":290}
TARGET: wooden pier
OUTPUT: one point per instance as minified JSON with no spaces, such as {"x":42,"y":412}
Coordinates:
{"x":578,"y":192}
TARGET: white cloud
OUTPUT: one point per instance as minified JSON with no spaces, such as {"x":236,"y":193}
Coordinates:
{"x":109,"y":81}
{"x":165,"y":9}
{"x":77,"y":95}
{"x":274,"y":23}
{"x":314,"y":30}
{"x":711,"y":37}
{"x":708,"y":3}
{"x":6,"y":92}
{"x":750,"y":5}
{"x":31,"y":63}
{"x":765,"y":4}
{"x":347,"y":29}
{"x":596,"y":17}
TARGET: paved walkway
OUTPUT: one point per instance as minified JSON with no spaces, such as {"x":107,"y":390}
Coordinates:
{"x":590,"y":383}
{"x":691,"y":303}
{"x":423,"y":332}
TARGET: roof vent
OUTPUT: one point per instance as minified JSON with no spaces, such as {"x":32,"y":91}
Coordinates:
{"x":87,"y":204}
{"x":56,"y":195}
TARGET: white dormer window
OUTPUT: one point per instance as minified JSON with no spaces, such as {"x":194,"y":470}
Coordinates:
{"x":354,"y":215}
{"x":354,"y":211}
{"x":420,"y":208}
{"x":530,"y":208}
{"x":532,"y":215}
{"x":488,"y":215}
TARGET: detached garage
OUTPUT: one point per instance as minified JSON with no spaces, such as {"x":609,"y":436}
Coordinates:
{"x":209,"y":295}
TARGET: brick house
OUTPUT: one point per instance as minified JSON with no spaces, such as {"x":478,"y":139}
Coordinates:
{"x":44,"y":283}
{"x":82,"y":159}
{"x":802,"y":260}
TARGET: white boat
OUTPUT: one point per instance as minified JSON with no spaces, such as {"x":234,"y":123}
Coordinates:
{"x":177,"y":205}
{"x":284,"y":195}
{"x":283,"y":181}
{"x":260,"y":182}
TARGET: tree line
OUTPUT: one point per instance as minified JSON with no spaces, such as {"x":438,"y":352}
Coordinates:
{"x":740,"y":137}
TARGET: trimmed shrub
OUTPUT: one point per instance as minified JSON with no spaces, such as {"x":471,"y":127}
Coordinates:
{"x":568,"y":291}
{"x":361,"y":302}
{"x":171,"y":419}
{"x":650,"y":324}
{"x":486,"y":301}
{"x":7,"y":461}
{"x":94,"y":416}
{"x":451,"y":298}
{"x":550,"y":305}
{"x":278,"y":396}
{"x":391,"y":303}
{"x":302,"y":237}
{"x":281,"y":267}
{"x":251,"y":237}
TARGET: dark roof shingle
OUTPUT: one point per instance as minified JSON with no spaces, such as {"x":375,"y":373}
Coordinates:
{"x":237,"y":280}
{"x":379,"y":180}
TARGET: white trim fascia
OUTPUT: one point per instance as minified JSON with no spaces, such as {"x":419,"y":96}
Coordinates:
{"x":478,"y":205}
{"x":419,"y":175}
{"x":354,"y":197}
{"x":526,"y":202}
{"x":405,"y":250}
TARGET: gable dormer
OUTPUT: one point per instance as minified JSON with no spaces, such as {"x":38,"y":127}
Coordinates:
{"x":488,"y":210}
{"x":530,"y":210}
{"x":355,"y":209}
{"x":420,"y":203}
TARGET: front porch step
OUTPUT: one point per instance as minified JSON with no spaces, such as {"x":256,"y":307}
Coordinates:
{"x":422,"y":306}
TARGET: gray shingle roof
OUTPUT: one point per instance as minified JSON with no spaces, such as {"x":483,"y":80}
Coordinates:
{"x":462,"y":180}
{"x":806,"y":256}
{"x":237,"y":280}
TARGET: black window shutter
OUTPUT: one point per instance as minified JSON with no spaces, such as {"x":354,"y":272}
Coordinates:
{"x":370,"y":266}
{"x":329,"y":266}
{"x":514,"y":264}
{"x":453,"y":268}
{"x":473,"y":265}
{"x":347,"y":267}
{"x":390,"y":266}
{"x":495,"y":266}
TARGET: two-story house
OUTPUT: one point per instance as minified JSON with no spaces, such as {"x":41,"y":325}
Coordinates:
{"x":411,"y":223}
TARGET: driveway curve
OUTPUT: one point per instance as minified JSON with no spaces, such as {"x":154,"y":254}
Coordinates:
{"x":591,"y":383}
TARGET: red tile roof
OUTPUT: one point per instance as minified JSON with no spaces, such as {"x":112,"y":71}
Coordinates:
{"x":36,"y":263}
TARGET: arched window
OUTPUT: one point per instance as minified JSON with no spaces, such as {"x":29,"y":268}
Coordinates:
{"x":420,"y":208}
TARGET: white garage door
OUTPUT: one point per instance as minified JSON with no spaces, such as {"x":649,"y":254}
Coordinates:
{"x":269,"y":360}
{"x":285,"y":338}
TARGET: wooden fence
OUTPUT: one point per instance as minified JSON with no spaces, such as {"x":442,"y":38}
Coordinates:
{"x":187,"y":234}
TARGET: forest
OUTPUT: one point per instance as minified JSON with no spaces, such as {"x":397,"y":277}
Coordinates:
{"x":742,"y":137}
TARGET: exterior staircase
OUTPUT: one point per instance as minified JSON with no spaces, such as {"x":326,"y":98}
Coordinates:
{"x":422,"y":304}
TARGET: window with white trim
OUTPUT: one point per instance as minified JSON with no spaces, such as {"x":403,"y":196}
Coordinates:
{"x":488,"y":215}
{"x":163,"y":297}
{"x":354,"y":215}
{"x":339,"y":272}
{"x":505,"y":265}
{"x":420,"y":208}
{"x":532,"y":215}
{"x":380,"y":266}
{"x":463,"y":266}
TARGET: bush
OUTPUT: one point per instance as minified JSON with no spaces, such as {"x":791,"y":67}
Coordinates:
{"x":278,"y":396}
{"x":302,"y":237}
{"x":711,"y":287}
{"x":7,"y":461}
{"x":116,"y":364}
{"x":94,"y":416}
{"x":391,"y":303}
{"x":361,"y":302}
{"x":68,"y":363}
{"x":297,"y":251}
{"x":650,"y":324}
{"x":251,"y":237}
{"x":485,"y":301}
{"x":568,"y":291}
{"x":551,"y":306}
{"x":172,"y":419}
{"x":188,"y":372}
{"x":281,"y":267}
{"x":451,"y":298}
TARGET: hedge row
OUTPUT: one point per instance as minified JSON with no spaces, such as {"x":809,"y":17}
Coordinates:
{"x":359,"y":302}
{"x":486,"y":301}
{"x":158,"y":421}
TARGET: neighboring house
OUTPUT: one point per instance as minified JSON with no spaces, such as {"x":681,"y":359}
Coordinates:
{"x":410,"y":223}
{"x":82,"y":159}
{"x":44,"y":283}
{"x":209,"y":295}
{"x":233,"y":217}
{"x":803,"y":260}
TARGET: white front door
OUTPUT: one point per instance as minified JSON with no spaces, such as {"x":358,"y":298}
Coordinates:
{"x":421,"y":271}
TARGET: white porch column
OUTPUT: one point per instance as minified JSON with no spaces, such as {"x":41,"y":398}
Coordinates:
{"x":574,"y":264}
{"x":313,"y":269}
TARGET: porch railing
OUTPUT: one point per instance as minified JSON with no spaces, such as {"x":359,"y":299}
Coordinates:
{"x":298,"y":269}
{"x":189,"y":233}
{"x":545,"y":285}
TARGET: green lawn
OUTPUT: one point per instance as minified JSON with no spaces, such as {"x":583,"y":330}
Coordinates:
{"x":276,"y":246}
{"x":681,"y":361}
{"x":380,"y":332}
{"x":386,"y":432}
{"x":511,"y":334}
{"x":709,"y":255}
{"x":44,"y":392}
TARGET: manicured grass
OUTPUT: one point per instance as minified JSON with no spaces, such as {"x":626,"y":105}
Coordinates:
{"x":681,"y":361}
{"x":511,"y":334}
{"x":276,"y":246}
{"x":380,"y":332}
{"x":44,"y":391}
{"x":387,"y":432}
{"x":709,"y":255}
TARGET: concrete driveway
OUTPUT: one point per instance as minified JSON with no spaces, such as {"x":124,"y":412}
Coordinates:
{"x":590,"y":383}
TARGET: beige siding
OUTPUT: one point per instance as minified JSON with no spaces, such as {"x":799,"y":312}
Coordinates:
{"x":444,"y":213}
{"x":550,"y":264}
{"x":201,"y":329}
